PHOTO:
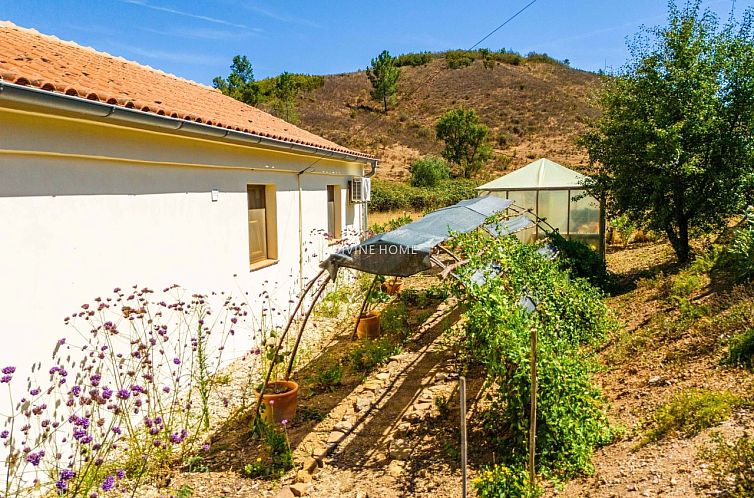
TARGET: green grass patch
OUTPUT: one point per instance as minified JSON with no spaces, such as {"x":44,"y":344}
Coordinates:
{"x":690,"y":412}
{"x":732,"y":465}
{"x":371,"y":354}
{"x":741,"y":349}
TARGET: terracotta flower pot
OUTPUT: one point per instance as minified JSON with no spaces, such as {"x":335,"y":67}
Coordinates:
{"x":369,"y":326}
{"x":280,"y":401}
{"x":393,"y":287}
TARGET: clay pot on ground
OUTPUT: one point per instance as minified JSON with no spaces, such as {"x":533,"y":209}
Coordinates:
{"x":369,"y":326}
{"x":392,"y":287}
{"x":279,"y":402}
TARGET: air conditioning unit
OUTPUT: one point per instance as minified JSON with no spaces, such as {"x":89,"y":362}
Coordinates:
{"x":361,"y":190}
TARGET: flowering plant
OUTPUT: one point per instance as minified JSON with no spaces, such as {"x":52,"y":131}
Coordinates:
{"x":128,"y":393}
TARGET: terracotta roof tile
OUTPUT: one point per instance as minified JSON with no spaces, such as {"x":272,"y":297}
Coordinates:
{"x":30,"y":58}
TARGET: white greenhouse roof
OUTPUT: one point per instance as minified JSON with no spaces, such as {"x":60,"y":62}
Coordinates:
{"x":541,"y":174}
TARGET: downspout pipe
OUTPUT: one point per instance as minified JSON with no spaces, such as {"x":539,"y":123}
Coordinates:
{"x":365,"y":206}
{"x":111,"y":112}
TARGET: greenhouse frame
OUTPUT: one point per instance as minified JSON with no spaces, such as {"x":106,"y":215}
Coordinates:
{"x":554,"y":193}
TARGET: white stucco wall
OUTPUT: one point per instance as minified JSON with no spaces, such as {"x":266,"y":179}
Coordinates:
{"x":87,"y":207}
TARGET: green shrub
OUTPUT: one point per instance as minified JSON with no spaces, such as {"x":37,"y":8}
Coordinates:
{"x":739,"y":256}
{"x":328,"y":378}
{"x":279,"y":457}
{"x":504,"y":482}
{"x":732,"y":466}
{"x":691,"y":411}
{"x":581,"y":260}
{"x":390,"y":224}
{"x":428,"y":171}
{"x":413,"y":59}
{"x":741,"y":349}
{"x":393,"y":196}
{"x":570,"y":314}
{"x":683,"y":286}
{"x":544,"y":58}
{"x":371,"y":354}
{"x":456,"y":59}
{"x":394,"y":320}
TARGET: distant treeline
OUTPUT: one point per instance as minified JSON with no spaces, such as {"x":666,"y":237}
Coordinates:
{"x":461,"y":58}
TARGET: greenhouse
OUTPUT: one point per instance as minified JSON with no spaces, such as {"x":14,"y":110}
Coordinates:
{"x":550,"y":191}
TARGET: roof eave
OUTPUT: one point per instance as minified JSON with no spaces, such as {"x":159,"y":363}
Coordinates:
{"x":132,"y":117}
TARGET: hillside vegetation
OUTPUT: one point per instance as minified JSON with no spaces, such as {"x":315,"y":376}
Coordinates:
{"x":534,"y":106}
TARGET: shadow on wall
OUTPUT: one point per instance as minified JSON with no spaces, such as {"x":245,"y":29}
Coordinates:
{"x":53,"y":177}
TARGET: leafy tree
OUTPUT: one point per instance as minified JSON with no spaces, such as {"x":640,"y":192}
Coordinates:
{"x":383,"y":74}
{"x":465,"y":140}
{"x":428,"y":170}
{"x":675,"y":136}
{"x":240,"y":82}
{"x":285,"y":91}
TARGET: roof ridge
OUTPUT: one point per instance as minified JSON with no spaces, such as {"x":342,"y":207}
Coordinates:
{"x":36,"y":32}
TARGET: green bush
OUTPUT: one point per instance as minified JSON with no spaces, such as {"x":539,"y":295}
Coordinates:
{"x":499,"y":481}
{"x":393,"y":196}
{"x":570,"y":314}
{"x":544,"y":58}
{"x":732,"y":465}
{"x":456,"y":59}
{"x":739,"y":256}
{"x":691,"y":411}
{"x":328,"y":378}
{"x":371,"y":354}
{"x":413,"y":59}
{"x":741,"y":350}
{"x":428,"y":171}
{"x":581,"y":260}
{"x":390,"y":224}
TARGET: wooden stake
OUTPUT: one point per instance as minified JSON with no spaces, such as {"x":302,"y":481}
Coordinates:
{"x":462,"y":385}
{"x":533,"y":410}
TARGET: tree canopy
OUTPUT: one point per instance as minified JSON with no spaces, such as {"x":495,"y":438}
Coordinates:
{"x":383,"y":74}
{"x":240,"y":82}
{"x":674,"y":141}
{"x":465,"y":140}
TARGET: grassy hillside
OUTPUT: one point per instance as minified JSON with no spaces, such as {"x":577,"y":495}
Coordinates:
{"x":534,"y":109}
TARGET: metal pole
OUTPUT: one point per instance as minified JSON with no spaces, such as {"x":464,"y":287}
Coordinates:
{"x":533,"y":410}
{"x":462,"y":385}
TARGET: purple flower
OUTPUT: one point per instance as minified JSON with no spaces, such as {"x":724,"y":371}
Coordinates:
{"x":5,"y":379}
{"x":177,"y":361}
{"x":108,"y":483}
{"x":9,"y":370}
{"x":116,"y":430}
{"x":4,"y":434}
{"x":107,"y":393}
{"x":120,"y":473}
{"x":124,"y":393}
{"x":35,"y":458}
{"x":205,"y":447}
{"x":166,"y":389}
{"x":96,"y":378}
{"x":34,"y":391}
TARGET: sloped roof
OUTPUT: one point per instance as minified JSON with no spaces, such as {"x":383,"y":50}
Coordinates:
{"x":540,"y":174}
{"x":30,"y":58}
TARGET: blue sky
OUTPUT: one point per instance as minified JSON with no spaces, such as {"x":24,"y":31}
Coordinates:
{"x":197,"y":39}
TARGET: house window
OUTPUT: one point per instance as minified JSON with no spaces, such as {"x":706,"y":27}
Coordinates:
{"x":334,"y":214}
{"x":262,"y":225}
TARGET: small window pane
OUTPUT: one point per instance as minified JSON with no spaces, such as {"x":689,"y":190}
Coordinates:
{"x":257,"y":223}
{"x":585,"y":219}
{"x":553,"y":206}
{"x":526,"y":199}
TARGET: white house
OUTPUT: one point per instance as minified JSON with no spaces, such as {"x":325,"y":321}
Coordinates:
{"x":113,"y":174}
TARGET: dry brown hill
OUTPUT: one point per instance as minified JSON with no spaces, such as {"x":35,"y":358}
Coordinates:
{"x":535,"y":109}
